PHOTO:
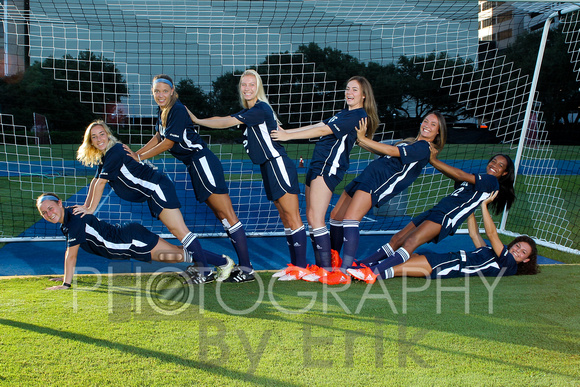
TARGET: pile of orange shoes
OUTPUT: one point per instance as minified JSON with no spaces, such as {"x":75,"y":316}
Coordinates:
{"x":313,"y":273}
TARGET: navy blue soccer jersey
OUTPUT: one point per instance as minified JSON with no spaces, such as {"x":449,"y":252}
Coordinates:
{"x":260,"y":122}
{"x":483,"y":261}
{"x":386,"y":176}
{"x":132,"y":181}
{"x":331,"y":153}
{"x":465,"y":199}
{"x":181,"y":130}
{"x":106,"y":240}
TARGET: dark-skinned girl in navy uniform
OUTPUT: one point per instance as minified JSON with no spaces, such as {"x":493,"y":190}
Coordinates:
{"x":517,"y":258}
{"x":176,"y":133}
{"x":278,"y":171}
{"x":329,"y":163}
{"x":385,"y":177}
{"x":444,"y":219}
{"x":119,"y":241}
{"x":137,"y":182}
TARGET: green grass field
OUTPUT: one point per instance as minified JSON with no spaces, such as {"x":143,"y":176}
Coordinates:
{"x":136,"y":331}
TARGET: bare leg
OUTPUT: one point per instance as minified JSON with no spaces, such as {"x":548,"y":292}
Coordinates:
{"x":342,"y":205}
{"x":166,"y":252}
{"x":221,"y":205}
{"x":173,"y":220}
{"x":416,"y":266}
{"x":317,"y":201}
{"x":289,"y":210}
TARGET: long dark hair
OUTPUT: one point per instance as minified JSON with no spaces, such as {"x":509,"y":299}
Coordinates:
{"x":530,"y":267}
{"x":506,"y":195}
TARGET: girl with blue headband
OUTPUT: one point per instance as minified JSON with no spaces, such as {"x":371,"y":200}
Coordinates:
{"x":95,"y":236}
{"x":176,"y":133}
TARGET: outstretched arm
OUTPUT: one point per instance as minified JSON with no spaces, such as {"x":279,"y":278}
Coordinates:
{"x":449,"y":171}
{"x":153,"y":151}
{"x":372,"y":145}
{"x":93,"y":197}
{"x":473,"y":228}
{"x":311,"y":131}
{"x":70,"y":262}
{"x":215,"y":122}
{"x":490,"y":229}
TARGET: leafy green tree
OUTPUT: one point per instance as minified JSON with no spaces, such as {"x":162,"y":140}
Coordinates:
{"x":558,"y":88}
{"x":194,"y":98}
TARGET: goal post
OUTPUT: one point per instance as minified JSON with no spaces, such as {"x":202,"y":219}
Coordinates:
{"x":103,"y":54}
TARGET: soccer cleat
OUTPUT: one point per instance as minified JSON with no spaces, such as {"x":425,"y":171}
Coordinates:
{"x":200,"y":279}
{"x":335,"y":259}
{"x":336,"y":277}
{"x":315,"y":274}
{"x":239,"y":276}
{"x":294,"y":274}
{"x":225,"y":270}
{"x":283,"y":272}
{"x":189,"y":273}
{"x":363,"y":273}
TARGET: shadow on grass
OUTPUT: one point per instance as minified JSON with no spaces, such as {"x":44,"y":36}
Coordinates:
{"x":145,"y":353}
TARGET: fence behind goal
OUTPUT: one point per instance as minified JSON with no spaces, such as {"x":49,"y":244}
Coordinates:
{"x":202,"y":41}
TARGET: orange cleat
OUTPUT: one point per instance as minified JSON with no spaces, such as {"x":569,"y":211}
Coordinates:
{"x":336,"y":277}
{"x":363,"y":273}
{"x":315,"y":274}
{"x":335,"y":259}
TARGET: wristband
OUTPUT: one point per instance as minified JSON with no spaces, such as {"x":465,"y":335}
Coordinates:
{"x":139,"y":157}
{"x":66,"y":285}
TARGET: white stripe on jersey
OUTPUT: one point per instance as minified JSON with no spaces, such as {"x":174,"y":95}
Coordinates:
{"x":448,"y":270}
{"x":265,"y":135}
{"x":475,"y":269}
{"x":207,"y":170}
{"x":282,"y":169}
{"x":402,"y":175}
{"x":110,"y":245}
{"x":190,"y":144}
{"x":467,"y":210}
{"x":336,"y":161}
{"x":143,"y":183}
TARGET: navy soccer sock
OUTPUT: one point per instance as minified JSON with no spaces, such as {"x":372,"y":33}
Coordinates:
{"x":336,"y":235}
{"x":297,"y":242}
{"x":313,"y":241}
{"x":400,"y":256}
{"x":322,"y":245}
{"x":383,"y":252}
{"x":237,"y":235}
{"x":351,"y":239}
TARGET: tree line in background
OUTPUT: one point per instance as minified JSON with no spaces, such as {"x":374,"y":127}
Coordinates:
{"x":71,"y":92}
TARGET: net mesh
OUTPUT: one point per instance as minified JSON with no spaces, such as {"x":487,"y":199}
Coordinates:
{"x":106,"y":53}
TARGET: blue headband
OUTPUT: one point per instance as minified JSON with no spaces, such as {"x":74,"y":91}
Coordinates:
{"x":166,"y":81}
{"x":48,"y":197}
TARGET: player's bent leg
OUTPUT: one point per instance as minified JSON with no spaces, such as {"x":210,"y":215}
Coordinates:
{"x":420,"y":235}
{"x":221,"y":205}
{"x":416,"y":266}
{"x":341,"y":206}
{"x":167,"y":252}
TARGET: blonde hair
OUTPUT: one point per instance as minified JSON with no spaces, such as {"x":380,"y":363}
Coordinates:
{"x":173,"y":98}
{"x":369,"y":104}
{"x":261,"y":91}
{"x":87,"y":153}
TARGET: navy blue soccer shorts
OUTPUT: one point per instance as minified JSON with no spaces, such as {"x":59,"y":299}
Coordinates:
{"x":280,"y":177}
{"x":167,"y":198}
{"x":207,"y":175}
